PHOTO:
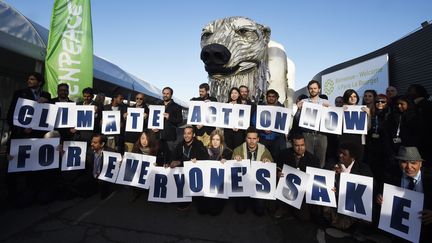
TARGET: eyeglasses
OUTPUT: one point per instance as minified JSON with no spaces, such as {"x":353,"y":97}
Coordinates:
{"x":381,"y":101}
{"x":139,"y":98}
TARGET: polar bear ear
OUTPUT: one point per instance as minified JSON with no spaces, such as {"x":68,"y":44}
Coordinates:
{"x":266,"y":32}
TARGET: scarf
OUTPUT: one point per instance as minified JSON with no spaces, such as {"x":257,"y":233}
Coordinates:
{"x":214,"y":153}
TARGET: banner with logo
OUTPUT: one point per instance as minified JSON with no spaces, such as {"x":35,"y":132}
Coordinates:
{"x":69,"y":56}
{"x":370,"y":74}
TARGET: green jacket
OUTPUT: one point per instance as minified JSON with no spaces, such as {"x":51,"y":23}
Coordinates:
{"x":262,"y":152}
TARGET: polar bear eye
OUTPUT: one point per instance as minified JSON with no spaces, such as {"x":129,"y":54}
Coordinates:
{"x":206,"y":34}
{"x":247,"y":33}
{"x":243,"y":31}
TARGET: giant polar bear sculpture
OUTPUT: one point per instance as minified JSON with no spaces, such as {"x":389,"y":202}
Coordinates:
{"x":238,"y":51}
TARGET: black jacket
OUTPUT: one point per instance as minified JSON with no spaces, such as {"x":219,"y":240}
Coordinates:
{"x":288,"y":157}
{"x":169,"y":133}
{"x":195,"y":151}
{"x":65,"y":133}
{"x":204,"y":129}
{"x":426,"y":179}
{"x":18,"y":132}
{"x":132,"y":137}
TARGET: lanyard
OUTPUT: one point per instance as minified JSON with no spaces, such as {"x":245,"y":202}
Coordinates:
{"x":188,"y":151}
{"x":376,"y":124}
{"x":398,"y":129}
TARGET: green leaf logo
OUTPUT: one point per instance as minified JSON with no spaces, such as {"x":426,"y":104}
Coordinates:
{"x":328,"y":87}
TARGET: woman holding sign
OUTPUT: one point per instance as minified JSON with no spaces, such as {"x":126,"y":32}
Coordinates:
{"x":147,"y":145}
{"x":216,"y":148}
{"x":351,"y":98}
{"x":220,"y":153}
{"x":234,"y":137}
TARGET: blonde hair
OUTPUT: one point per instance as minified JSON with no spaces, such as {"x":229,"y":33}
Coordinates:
{"x":218,"y":132}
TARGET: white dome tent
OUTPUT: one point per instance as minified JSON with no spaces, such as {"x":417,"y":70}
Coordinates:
{"x":23,"y":49}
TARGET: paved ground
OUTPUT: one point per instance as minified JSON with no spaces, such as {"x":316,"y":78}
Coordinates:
{"x":115,"y":219}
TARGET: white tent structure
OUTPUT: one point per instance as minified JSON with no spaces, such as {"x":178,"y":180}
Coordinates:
{"x":23,"y":48}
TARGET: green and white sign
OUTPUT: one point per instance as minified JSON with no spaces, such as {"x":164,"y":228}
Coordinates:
{"x":69,"y":56}
{"x":370,"y":74}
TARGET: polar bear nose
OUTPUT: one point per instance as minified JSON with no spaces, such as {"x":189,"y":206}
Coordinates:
{"x":215,"y":54}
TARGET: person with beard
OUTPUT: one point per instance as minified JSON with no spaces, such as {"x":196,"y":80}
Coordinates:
{"x":86,"y":136}
{"x":172,"y":120}
{"x":116,"y":142}
{"x":316,"y":142}
{"x":244,"y":95}
{"x":190,"y":149}
{"x":203,"y":132}
{"x":245,"y":100}
{"x":66,"y":134}
{"x":273,"y":141}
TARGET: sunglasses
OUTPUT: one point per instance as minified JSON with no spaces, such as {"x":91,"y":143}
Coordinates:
{"x":381,"y":101}
{"x":139,"y":98}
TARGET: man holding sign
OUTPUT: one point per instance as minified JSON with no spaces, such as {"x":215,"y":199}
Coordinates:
{"x":130,"y":137}
{"x":273,"y":141}
{"x":66,"y":134}
{"x":190,"y":149}
{"x":172,"y":119}
{"x":413,"y":177}
{"x":316,"y":142}
{"x":348,"y":163}
{"x":94,"y":163}
{"x":203,"y":132}
{"x":297,"y":157}
{"x":252,"y":150}
{"x":34,"y":91}
{"x":86,"y":135}
{"x":115,"y":141}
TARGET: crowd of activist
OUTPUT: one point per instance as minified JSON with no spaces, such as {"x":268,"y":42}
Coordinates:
{"x":389,"y":142}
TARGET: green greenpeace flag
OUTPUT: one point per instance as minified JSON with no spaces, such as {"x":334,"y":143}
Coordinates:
{"x":69,"y":56}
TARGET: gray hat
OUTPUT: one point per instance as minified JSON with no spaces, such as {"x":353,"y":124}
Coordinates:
{"x":408,"y":154}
